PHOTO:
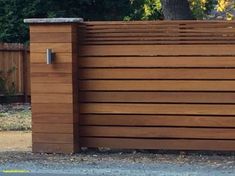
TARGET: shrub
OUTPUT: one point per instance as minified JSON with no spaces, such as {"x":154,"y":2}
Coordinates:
{"x":7,"y":87}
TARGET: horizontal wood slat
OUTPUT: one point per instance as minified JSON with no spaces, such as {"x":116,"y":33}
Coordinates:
{"x":57,"y":47}
{"x":54,"y":148}
{"x":50,"y":118}
{"x":128,"y":108}
{"x":157,"y":120}
{"x":53,"y":138}
{"x":157,"y":132}
{"x":168,"y":36}
{"x":54,"y":37}
{"x":156,"y":73}
{"x":51,"y":28}
{"x":154,"y":62}
{"x":160,"y":22}
{"x":153,"y":28}
{"x":51,"y":77}
{"x":158,"y":97}
{"x":51,"y":68}
{"x":58,"y":128}
{"x":55,"y":108}
{"x":61,"y":58}
{"x":155,"y":50}
{"x":51,"y":88}
{"x":156,"y":41}
{"x":166,"y":144}
{"x":52,"y":98}
{"x":159,"y":85}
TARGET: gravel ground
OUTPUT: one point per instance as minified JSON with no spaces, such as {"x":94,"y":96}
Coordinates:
{"x":15,"y":117}
{"x":15,"y":155}
{"x":140,"y":163}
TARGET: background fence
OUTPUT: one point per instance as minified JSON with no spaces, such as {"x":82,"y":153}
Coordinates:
{"x":16,"y":55}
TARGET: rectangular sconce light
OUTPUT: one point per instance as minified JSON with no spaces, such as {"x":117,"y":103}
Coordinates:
{"x":49,"y":56}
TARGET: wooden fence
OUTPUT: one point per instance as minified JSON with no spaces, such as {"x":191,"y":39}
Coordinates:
{"x":139,"y":85}
{"x":16,"y":56}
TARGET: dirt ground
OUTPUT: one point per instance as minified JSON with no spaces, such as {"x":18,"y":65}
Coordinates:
{"x":15,"y":141}
{"x":15,"y":154}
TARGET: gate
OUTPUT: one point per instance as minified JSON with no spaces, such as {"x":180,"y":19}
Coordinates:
{"x":137,"y":85}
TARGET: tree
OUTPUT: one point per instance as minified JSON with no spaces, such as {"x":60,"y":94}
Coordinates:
{"x":225,"y":9}
{"x":12,"y":12}
{"x":176,"y":10}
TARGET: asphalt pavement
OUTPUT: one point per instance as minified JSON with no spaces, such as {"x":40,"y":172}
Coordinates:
{"x":116,"y":164}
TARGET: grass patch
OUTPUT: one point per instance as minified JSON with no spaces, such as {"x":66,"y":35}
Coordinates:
{"x":15,"y":118}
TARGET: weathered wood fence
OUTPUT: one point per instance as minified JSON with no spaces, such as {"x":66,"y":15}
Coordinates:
{"x":141,"y":85}
{"x":16,"y":56}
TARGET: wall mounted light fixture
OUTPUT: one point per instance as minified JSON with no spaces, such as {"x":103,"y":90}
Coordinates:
{"x":49,"y":56}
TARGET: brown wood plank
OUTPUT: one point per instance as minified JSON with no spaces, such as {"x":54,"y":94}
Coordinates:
{"x":157,"y":85}
{"x":144,"y":42}
{"x":166,"y":144}
{"x":51,"y":68}
{"x":160,"y":22}
{"x":160,"y":29}
{"x":55,"y":108}
{"x":157,"y":132}
{"x":158,"y":97}
{"x":156,"y":24}
{"x":57,"y":127}
{"x":156,"y":73}
{"x":61,"y":58}
{"x":52,"y":118}
{"x":154,"y":28}
{"x":152,"y":50}
{"x":167,"y":35}
{"x":50,"y":88}
{"x":51,"y":28}
{"x":128,"y":108}
{"x":65,"y":78}
{"x":52,"y":138}
{"x":54,"y":148}
{"x":57,"y":47}
{"x":117,"y":24}
{"x":154,"y":62}
{"x":165,"y":32}
{"x":157,"y":120}
{"x":52,"y":98}
{"x":53,"y":37}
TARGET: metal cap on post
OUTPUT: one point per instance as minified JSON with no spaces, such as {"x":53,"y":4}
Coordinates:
{"x":52,"y":20}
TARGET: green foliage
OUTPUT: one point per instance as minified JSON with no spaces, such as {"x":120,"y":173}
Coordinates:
{"x":144,"y":10}
{"x":201,"y":8}
{"x":12,"y":12}
{"x":6,"y":86}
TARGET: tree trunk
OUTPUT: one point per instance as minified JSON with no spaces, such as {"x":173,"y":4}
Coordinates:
{"x":176,"y":10}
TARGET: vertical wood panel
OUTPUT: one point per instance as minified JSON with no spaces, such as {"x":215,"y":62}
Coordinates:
{"x":11,"y":55}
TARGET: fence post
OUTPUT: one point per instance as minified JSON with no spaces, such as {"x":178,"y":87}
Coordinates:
{"x":54,"y":86}
{"x":25,"y":73}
